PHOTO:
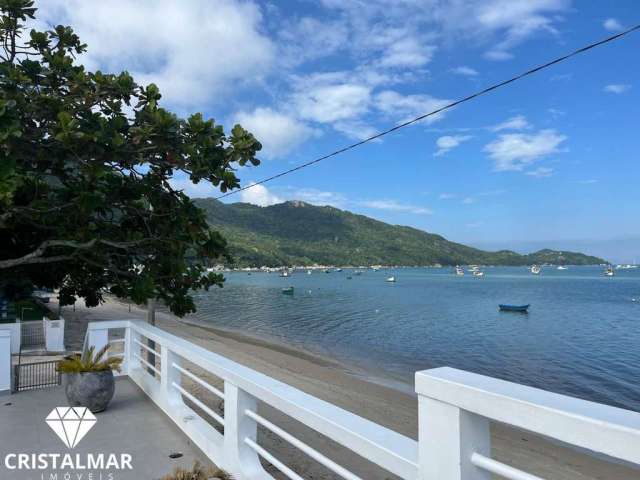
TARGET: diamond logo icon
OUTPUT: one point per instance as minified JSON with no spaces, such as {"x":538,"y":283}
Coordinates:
{"x":71,"y":424}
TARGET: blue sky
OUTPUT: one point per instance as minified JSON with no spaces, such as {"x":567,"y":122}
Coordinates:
{"x":549,"y":161}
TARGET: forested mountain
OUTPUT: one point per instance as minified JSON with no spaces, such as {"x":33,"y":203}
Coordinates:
{"x":297,"y":233}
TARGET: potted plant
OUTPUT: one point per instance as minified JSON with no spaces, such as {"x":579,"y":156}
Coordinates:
{"x":90,"y":381}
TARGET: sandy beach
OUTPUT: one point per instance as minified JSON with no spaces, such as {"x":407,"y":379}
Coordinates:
{"x":338,"y":384}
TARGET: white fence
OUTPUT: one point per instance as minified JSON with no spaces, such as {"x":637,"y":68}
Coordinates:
{"x":455,"y":410}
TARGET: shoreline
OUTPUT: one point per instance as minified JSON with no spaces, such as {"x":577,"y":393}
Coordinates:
{"x":337,"y":383}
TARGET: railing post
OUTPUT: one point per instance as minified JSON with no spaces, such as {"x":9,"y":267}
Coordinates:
{"x":237,"y":427}
{"x":447,"y":437}
{"x":131,"y":346}
{"x":169,"y":376}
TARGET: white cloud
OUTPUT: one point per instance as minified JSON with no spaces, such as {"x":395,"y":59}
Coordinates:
{"x":498,"y":55}
{"x":319,"y":197}
{"x":279,"y":133}
{"x":540,"y":172}
{"x":259,"y":195}
{"x":403,"y":107}
{"x":332,"y":102}
{"x":194,"y":51}
{"x":617,"y":88}
{"x":448,"y":142}
{"x":447,"y":196}
{"x":468,"y":200}
{"x":394,"y":206}
{"x":518,"y":19}
{"x":515,"y":151}
{"x":464,"y":70}
{"x":519,"y":122}
{"x":474,"y":224}
{"x":590,"y":181}
{"x":407,"y":52}
{"x":202,"y":189}
{"x":356,"y":129}
{"x":613,"y":25}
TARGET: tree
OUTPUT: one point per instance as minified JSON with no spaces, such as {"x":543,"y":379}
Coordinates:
{"x":86,"y":162}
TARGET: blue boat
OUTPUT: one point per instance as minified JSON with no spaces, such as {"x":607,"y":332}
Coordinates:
{"x":514,"y":308}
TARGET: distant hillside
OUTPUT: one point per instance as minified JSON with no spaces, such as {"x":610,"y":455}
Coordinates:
{"x":297,"y":233}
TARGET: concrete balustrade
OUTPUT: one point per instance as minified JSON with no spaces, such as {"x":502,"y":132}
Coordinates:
{"x":455,"y":410}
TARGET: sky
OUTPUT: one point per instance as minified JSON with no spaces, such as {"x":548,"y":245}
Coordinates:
{"x":551,"y":160}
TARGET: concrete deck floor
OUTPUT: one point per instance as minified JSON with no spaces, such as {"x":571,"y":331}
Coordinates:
{"x":132,"y":424}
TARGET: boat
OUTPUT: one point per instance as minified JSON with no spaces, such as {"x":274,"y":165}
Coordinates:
{"x":338,"y":269}
{"x":357,"y":272}
{"x":514,"y":308}
{"x":535,"y":269}
{"x":287,"y":290}
{"x":562,"y":267}
{"x":308,"y":272}
{"x":390,"y":279}
{"x":478,"y":273}
{"x":284,"y":274}
{"x":609,"y":272}
{"x":459,"y":271}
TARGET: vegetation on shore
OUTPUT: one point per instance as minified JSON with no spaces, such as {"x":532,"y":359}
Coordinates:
{"x":297,"y":233}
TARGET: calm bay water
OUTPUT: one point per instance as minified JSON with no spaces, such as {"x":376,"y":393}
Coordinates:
{"x":581,"y":336}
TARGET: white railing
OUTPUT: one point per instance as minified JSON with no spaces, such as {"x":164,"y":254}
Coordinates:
{"x":455,"y":409}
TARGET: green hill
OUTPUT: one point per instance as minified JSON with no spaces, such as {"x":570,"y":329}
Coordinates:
{"x":297,"y":233}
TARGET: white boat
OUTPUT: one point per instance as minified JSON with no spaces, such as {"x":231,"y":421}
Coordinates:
{"x":535,"y":269}
{"x":562,"y":267}
{"x":284,"y":273}
{"x":308,"y":272}
{"x":459,"y":271}
{"x":609,"y":272}
{"x":338,"y":269}
{"x":391,"y":279}
{"x":478,"y":273}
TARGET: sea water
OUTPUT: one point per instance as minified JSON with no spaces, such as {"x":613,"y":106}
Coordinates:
{"x":581,"y":336}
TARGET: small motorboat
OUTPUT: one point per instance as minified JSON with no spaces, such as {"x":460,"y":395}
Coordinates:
{"x":561,"y":267}
{"x":535,"y":269}
{"x":514,"y":308}
{"x":459,"y":271}
{"x":284,"y":274}
{"x":390,"y":279}
{"x":338,"y":269}
{"x":478,"y":273}
{"x":609,"y":272}
{"x":287,"y":290}
{"x":308,"y":272}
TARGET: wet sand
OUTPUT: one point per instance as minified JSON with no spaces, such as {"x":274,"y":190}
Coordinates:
{"x":342,"y":386}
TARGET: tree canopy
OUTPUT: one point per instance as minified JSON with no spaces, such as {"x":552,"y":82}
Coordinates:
{"x":86,"y":162}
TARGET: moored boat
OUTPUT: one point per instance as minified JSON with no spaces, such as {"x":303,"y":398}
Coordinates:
{"x":459,"y":271}
{"x":287,"y":290}
{"x":535,"y":269}
{"x":514,"y":308}
{"x":609,"y":272}
{"x":390,"y":279}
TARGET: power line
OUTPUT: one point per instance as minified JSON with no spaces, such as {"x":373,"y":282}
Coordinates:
{"x":439,"y":110}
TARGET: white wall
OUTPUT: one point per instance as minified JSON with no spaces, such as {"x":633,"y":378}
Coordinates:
{"x":54,"y":335}
{"x":5,"y":360}
{"x":14,"y":331}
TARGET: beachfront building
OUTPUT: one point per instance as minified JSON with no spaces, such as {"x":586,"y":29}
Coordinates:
{"x":177,"y":400}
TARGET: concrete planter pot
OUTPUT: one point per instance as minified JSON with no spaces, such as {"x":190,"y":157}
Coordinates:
{"x":93,"y":390}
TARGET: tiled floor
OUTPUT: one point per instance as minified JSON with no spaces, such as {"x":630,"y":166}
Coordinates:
{"x":132,"y":424}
